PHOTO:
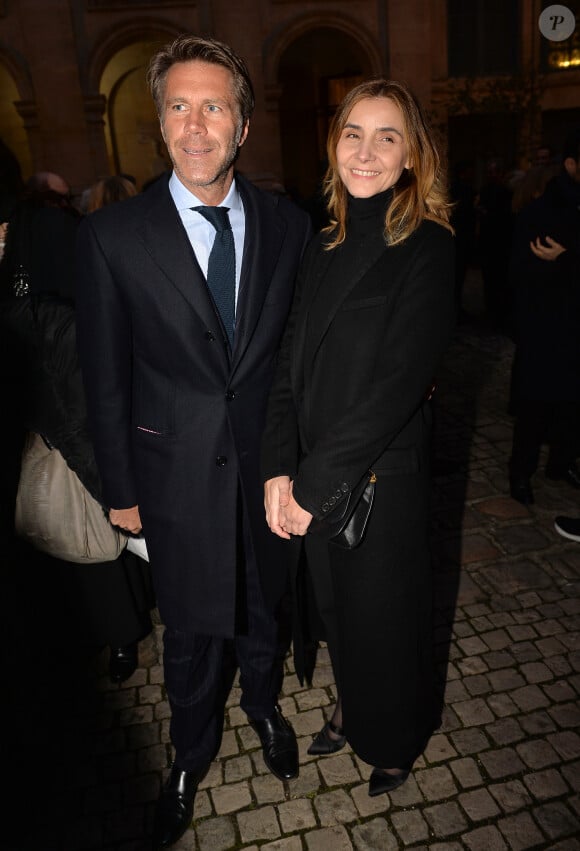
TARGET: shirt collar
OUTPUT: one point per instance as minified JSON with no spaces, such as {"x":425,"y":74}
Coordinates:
{"x":185,"y":200}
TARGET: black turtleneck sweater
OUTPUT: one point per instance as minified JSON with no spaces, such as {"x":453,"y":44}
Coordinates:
{"x":365,"y":229}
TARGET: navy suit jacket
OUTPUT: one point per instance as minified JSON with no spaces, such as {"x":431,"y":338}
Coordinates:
{"x":176,"y":420}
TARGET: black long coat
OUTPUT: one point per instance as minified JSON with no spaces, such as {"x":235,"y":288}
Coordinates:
{"x":547,"y":297}
{"x":176,"y":423}
{"x":349,"y":395}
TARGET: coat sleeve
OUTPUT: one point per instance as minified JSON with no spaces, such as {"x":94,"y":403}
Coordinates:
{"x":280,"y":441}
{"x":416,"y":332}
{"x":104,"y":343}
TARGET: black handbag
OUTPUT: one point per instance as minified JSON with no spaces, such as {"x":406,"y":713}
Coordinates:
{"x":347,"y":525}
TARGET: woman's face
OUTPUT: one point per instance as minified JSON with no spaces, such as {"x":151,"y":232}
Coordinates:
{"x":372,"y":150}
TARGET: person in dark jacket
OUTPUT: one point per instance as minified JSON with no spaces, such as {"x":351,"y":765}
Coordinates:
{"x":183,"y":296}
{"x":545,"y":276}
{"x":113,"y":600}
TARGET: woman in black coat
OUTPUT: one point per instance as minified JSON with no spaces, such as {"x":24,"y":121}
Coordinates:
{"x":372,"y":316}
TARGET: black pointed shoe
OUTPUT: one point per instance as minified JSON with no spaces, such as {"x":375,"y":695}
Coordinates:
{"x":123,"y":662}
{"x":174,"y":812}
{"x":379,"y":782}
{"x":278,"y":745}
{"x":324,"y":744}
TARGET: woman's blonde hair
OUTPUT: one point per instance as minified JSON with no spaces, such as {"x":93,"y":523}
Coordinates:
{"x":109,"y":190}
{"x":420,"y":192}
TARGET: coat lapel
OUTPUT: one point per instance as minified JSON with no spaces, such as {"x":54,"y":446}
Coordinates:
{"x":350,"y":275}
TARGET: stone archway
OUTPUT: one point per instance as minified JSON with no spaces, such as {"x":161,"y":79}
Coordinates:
{"x":311,"y":66}
{"x":123,"y":107}
{"x":17,"y":116}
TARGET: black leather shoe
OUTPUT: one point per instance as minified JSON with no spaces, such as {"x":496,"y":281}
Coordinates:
{"x":379,"y":782}
{"x":278,"y":745}
{"x":122,"y":662}
{"x":521,"y":490}
{"x":571,"y":476}
{"x":324,"y":744}
{"x":174,"y":811}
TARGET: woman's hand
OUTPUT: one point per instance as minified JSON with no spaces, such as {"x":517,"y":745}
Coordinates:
{"x":283,"y":514}
{"x":276,"y":497}
{"x":547,"y":252}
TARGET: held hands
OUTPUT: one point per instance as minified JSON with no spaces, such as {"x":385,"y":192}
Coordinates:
{"x":283,"y":514}
{"x":547,"y":252}
{"x":127,"y":519}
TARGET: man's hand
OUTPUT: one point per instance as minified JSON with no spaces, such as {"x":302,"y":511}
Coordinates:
{"x":127,"y":519}
{"x":276,"y":496}
{"x":547,"y":252}
{"x":294,"y":519}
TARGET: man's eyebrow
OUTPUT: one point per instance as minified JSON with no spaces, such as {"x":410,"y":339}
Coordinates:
{"x":186,"y":99}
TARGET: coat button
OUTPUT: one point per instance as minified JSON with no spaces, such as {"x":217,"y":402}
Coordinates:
{"x":221,"y":461}
{"x":344,"y":487}
{"x":230,"y":395}
{"x":325,"y":506}
{"x":338,"y":494}
{"x":209,"y":336}
{"x":331,"y":501}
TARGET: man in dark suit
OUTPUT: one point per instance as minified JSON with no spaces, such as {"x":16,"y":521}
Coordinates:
{"x":546,"y":376}
{"x":177,"y":389}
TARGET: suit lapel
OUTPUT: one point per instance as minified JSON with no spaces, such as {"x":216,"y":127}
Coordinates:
{"x":165,"y":239}
{"x":264,"y":236}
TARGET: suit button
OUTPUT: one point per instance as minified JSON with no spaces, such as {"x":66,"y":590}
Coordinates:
{"x":338,"y":494}
{"x":344,"y":487}
{"x":230,"y":395}
{"x":209,"y":336}
{"x":331,"y":501}
{"x":221,"y":461}
{"x":325,"y":506}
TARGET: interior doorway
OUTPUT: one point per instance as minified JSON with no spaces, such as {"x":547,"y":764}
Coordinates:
{"x":315,"y":72}
{"x":15,"y":159}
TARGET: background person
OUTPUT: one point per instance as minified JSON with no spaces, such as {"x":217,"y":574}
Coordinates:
{"x":177,"y":391}
{"x":545,"y":278}
{"x":373,"y":313}
{"x":108,"y":190}
{"x":111,"y":600}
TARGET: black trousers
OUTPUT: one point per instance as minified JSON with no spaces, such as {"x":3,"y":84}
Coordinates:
{"x":199,"y":671}
{"x":538,"y":422}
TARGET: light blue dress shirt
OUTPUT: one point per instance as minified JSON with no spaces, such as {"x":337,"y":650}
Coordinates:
{"x":200,"y":232}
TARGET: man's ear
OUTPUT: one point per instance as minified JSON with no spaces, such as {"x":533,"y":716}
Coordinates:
{"x":244,"y":134}
{"x":572,"y":168}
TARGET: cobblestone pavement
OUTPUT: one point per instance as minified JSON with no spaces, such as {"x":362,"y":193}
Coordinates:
{"x":502,"y":772}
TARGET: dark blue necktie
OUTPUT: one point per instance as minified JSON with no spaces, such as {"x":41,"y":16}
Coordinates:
{"x":221,"y":268}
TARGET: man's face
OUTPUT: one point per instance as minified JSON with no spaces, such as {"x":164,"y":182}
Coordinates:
{"x":202,"y":127}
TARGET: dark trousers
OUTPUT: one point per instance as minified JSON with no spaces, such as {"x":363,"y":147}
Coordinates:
{"x":538,"y":422}
{"x":198,"y":673}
